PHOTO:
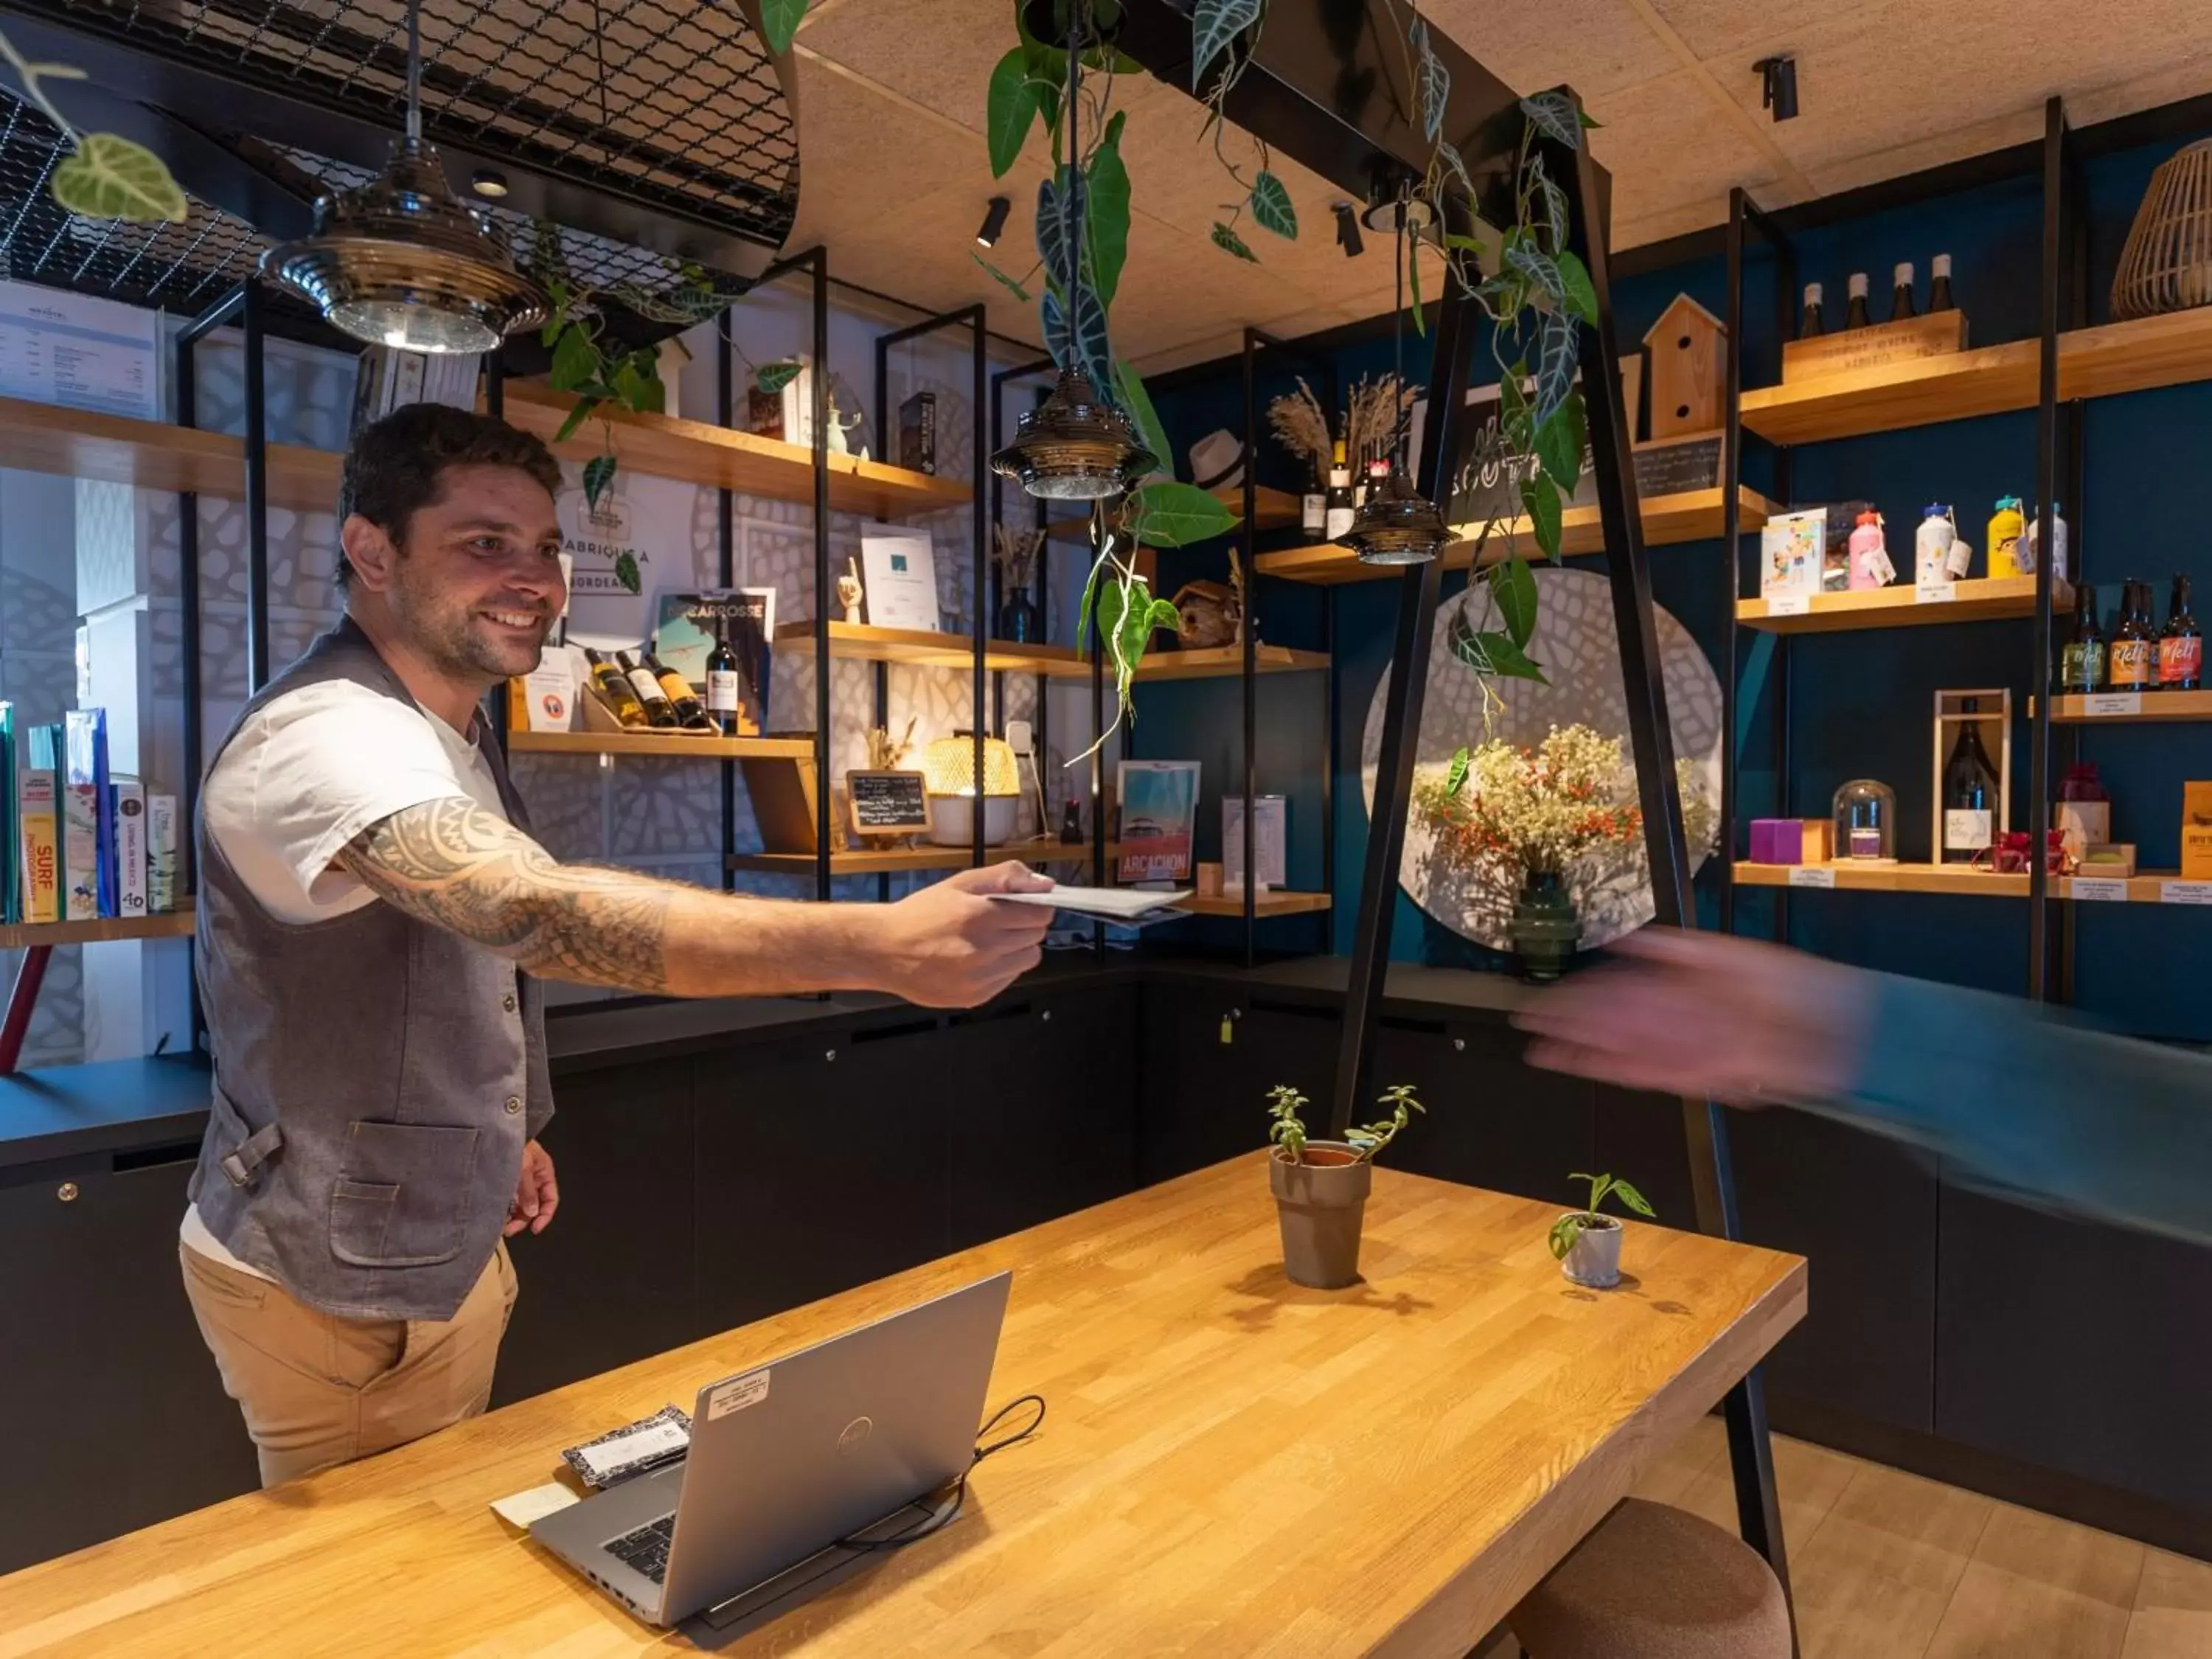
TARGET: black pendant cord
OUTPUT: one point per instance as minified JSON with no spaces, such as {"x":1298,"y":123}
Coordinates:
{"x":415,"y":71}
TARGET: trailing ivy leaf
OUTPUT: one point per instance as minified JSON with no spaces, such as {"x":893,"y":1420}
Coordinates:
{"x":1081,"y":344}
{"x":1582,"y":293}
{"x":1434,"y":79}
{"x":108,"y":177}
{"x":1213,"y":25}
{"x":1559,"y":444}
{"x":1177,"y":514}
{"x":1459,"y":241}
{"x":1009,"y":106}
{"x":1137,"y":404}
{"x":1060,"y":201}
{"x":1447,"y":153}
{"x":1539,"y":498}
{"x":626,"y":571}
{"x":1455,"y":776}
{"x":1491,"y":653}
{"x":1556,"y":115}
{"x":1557,"y":341}
{"x":1106,"y":223}
{"x":637,"y":387}
{"x":1011,"y":286}
{"x":1230,"y":242}
{"x":598,"y":473}
{"x":686,"y":305}
{"x":1539,"y":268}
{"x":1555,"y":205}
{"x":1272,"y":208}
{"x":577,"y":417}
{"x":576,"y":361}
{"x":1514,"y":591}
{"x":1085,"y":613}
{"x":1413,"y":270}
{"x":772,"y":378}
{"x":779,"y":23}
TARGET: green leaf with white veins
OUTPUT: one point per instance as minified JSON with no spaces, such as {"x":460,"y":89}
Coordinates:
{"x":110,"y":177}
{"x":1177,"y":514}
{"x":1515,"y":592}
{"x":780,"y":22}
{"x":1271,"y":208}
{"x":1214,"y":24}
{"x":598,"y":473}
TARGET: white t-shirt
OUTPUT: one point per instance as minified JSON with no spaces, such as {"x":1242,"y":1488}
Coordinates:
{"x":308,"y":773}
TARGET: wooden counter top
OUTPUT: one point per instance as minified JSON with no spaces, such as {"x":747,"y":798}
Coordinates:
{"x":1231,"y":1464}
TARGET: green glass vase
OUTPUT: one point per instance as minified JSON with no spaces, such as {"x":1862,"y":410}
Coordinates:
{"x":1546,"y":929}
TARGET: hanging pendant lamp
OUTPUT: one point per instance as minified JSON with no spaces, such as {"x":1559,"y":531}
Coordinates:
{"x":1075,"y":446}
{"x":401,"y":262}
{"x":1397,"y":523}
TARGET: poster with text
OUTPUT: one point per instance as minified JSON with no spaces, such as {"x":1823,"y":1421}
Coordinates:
{"x":1159,"y":808}
{"x":638,"y":540}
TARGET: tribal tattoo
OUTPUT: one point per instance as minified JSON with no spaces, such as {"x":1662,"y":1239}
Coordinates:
{"x":454,"y":865}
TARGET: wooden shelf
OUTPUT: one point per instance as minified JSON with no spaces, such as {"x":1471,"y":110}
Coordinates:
{"x":1274,"y":509}
{"x":696,"y":453}
{"x":154,"y":455}
{"x":917,"y":648}
{"x":2092,"y":362}
{"x":890,"y":859}
{"x":1225,"y":662}
{"x":1669,"y":520}
{"x":2148,"y":887}
{"x":658,"y":745}
{"x":1987,"y":599}
{"x":2129,"y":709}
{"x":1280,"y":902}
{"x":169,"y":924}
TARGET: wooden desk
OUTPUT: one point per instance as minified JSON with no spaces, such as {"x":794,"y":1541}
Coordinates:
{"x":1231,"y":1465}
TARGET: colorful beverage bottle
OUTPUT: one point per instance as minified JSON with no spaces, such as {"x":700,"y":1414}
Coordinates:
{"x":2006,"y":526}
{"x":1869,"y":553}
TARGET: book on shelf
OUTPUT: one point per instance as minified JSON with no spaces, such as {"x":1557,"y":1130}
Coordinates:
{"x":917,"y":450}
{"x":11,"y":894}
{"x":88,"y":825}
{"x":38,"y":824}
{"x":161,"y":853}
{"x":128,"y":798}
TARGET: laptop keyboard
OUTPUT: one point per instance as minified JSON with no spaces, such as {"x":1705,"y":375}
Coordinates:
{"x":646,"y":1549}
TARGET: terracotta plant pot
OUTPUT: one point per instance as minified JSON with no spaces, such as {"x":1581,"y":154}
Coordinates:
{"x":1545,"y":929}
{"x":1321,"y":1204}
{"x":1594,"y":1260}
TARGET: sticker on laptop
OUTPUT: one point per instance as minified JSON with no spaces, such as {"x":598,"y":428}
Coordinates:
{"x":736,"y":1393}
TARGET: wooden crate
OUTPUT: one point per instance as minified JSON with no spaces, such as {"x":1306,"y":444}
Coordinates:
{"x":1915,"y":337}
{"x":1994,"y":717}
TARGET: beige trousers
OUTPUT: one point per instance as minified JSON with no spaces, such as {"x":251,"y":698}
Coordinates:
{"x":318,"y":1390}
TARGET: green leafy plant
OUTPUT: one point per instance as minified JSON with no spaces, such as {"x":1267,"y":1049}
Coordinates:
{"x":780,"y":22}
{"x":104,"y":176}
{"x":1286,"y":1105}
{"x":1570,"y":1227}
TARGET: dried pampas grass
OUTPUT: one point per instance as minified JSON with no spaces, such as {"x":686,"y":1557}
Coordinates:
{"x":1301,"y":426}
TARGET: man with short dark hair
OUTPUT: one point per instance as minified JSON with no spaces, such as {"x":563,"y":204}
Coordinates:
{"x":374,"y":920}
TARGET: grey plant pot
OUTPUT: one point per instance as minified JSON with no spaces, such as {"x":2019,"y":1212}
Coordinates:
{"x":1320,"y":1206}
{"x":1594,"y":1260}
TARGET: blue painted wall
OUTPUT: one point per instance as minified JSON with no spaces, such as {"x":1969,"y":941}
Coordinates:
{"x":1861,"y":701}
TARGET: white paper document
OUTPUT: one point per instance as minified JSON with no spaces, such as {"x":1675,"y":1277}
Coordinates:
{"x":79,"y":351}
{"x":1124,"y":904}
{"x":525,"y":1507}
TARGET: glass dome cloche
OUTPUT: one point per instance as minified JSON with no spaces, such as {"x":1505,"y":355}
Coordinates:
{"x":1866,"y":822}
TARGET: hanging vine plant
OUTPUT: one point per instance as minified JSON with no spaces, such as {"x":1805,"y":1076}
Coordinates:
{"x":105,"y":175}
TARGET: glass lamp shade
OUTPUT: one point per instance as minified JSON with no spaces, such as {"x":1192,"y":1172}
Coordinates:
{"x":1866,"y":821}
{"x":1074,"y":447}
{"x":401,"y":262}
{"x":1397,"y":525}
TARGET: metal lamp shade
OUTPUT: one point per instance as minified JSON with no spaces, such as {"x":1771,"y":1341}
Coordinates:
{"x":1397,"y":525}
{"x":1074,"y":447}
{"x":403,"y":263}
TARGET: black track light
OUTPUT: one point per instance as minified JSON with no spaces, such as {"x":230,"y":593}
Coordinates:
{"x":1778,"y":86}
{"x":1347,"y":229}
{"x":994,"y":221}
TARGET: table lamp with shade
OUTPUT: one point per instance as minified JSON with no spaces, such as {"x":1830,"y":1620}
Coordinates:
{"x":948,"y":767}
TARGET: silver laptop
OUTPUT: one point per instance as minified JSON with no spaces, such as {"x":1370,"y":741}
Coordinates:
{"x":841,"y":1441}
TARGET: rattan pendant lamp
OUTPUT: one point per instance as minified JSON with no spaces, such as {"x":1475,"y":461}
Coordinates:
{"x":1396,"y":524}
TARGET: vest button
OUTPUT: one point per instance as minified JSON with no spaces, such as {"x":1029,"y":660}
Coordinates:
{"x":507,"y":1002}
{"x":514,"y":1104}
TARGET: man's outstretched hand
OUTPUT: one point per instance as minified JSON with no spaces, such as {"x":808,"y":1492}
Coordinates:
{"x":950,"y":945}
{"x":1705,"y":1014}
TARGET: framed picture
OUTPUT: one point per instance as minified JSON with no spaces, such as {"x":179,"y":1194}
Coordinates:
{"x":1159,"y":810}
{"x":898,"y":578}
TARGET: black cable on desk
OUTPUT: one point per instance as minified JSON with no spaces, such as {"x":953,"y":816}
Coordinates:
{"x":930,"y":1525}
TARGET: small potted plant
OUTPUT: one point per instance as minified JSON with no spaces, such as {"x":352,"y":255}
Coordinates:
{"x":1587,"y":1245}
{"x":1321,"y":1186}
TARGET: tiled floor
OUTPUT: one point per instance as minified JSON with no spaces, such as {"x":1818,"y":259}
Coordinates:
{"x":1887,"y":1566}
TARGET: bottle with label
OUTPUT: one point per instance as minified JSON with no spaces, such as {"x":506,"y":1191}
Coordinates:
{"x":1900,"y":293}
{"x":2081,"y":658}
{"x":1869,"y":555}
{"x":2006,"y":528}
{"x":1970,"y":790}
{"x":1337,"y":519}
{"x":2131,"y":659}
{"x":1855,"y":312}
{"x":1939,"y":284}
{"x":2181,"y":646}
{"x":659,"y":711}
{"x":1313,"y":506}
{"x":1932,"y":543}
{"x":2031,"y":546}
{"x":615,"y":692}
{"x":1808,"y":323}
{"x":722,"y":682}
{"x":690,"y":712}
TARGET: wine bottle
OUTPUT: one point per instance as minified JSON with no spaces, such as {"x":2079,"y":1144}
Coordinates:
{"x":2131,"y":661}
{"x":1939,"y":284}
{"x":2181,"y":647}
{"x":722,"y":682}
{"x":615,"y":691}
{"x":1855,"y":313}
{"x":1313,"y":506}
{"x":1808,"y":325}
{"x":1900,"y":293}
{"x":2081,"y":658}
{"x":689,"y":711}
{"x":659,"y":711}
{"x":1970,"y":792}
{"x":1338,"y":518}
{"x":1378,"y":473}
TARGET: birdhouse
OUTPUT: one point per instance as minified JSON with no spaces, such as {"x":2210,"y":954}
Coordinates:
{"x":1209,"y":615}
{"x":1684,"y":375}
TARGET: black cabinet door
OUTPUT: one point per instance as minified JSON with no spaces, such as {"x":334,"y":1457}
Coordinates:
{"x":610,"y":1280}
{"x":1860,"y":1210}
{"x":2076,"y":1345}
{"x":115,"y":1411}
{"x":1041,"y":1109}
{"x":1211,"y":1057}
{"x":820,"y":1166}
{"x":1491,"y":1120}
{"x":1640,"y":1138}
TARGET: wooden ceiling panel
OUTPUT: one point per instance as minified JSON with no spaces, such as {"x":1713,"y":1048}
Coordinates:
{"x":1595,"y":46}
{"x":1667,"y":149}
{"x":938,"y":52}
{"x":1723,"y":28}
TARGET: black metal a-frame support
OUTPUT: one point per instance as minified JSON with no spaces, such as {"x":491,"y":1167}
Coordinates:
{"x":1323,"y":85}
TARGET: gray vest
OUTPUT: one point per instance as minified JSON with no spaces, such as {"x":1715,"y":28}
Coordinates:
{"x":375,"y":1078}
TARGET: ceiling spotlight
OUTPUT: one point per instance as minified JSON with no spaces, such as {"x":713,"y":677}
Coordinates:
{"x":1393,"y":205}
{"x":994,"y":221}
{"x":1347,"y":229}
{"x":1074,"y":447}
{"x":485,"y":182}
{"x":401,"y":262}
{"x":1778,"y":86}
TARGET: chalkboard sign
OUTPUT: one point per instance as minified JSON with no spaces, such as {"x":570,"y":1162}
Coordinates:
{"x":1679,"y":465}
{"x":886,"y":803}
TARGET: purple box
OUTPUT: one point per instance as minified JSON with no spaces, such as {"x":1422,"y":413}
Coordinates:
{"x":1777,"y":840}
